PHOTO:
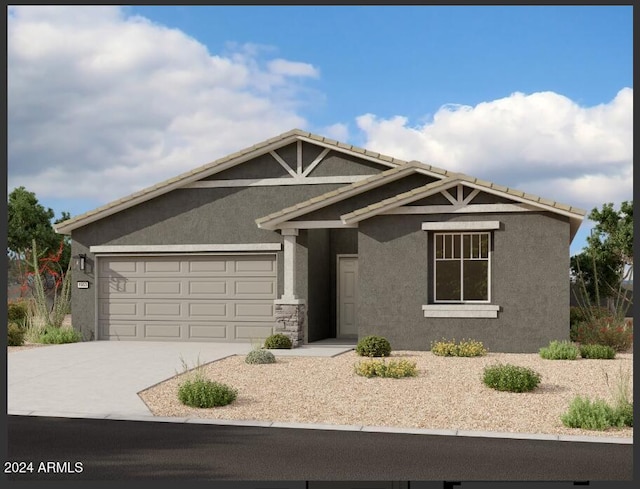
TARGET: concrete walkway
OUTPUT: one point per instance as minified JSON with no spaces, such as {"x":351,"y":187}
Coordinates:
{"x":101,"y":379}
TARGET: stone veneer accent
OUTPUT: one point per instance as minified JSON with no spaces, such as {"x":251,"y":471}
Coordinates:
{"x":290,"y":319}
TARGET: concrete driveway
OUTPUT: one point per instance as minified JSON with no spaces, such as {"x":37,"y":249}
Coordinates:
{"x":99,"y":377}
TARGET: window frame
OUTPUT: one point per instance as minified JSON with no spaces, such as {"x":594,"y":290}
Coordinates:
{"x":461,"y":260}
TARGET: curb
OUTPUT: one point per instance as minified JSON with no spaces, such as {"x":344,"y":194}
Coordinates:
{"x":332,"y":427}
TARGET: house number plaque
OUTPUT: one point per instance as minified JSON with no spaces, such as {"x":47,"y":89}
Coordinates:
{"x":83,"y":284}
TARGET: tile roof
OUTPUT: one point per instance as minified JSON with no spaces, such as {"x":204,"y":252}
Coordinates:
{"x":283,"y":139}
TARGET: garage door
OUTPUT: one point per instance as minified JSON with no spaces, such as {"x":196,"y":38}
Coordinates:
{"x":186,"y":298}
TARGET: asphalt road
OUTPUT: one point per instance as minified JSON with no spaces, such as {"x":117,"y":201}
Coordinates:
{"x":98,"y":449}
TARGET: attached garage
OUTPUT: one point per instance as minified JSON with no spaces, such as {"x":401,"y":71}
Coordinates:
{"x":186,"y":297}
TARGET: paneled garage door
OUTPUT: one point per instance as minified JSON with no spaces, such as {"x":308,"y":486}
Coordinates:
{"x":186,"y":298}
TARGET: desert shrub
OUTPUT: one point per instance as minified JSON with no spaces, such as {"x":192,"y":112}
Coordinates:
{"x":449,"y":348}
{"x":622,"y":405}
{"x":597,"y":352}
{"x":18,"y":311}
{"x":576,"y":315}
{"x":581,"y":314}
{"x":202,"y":393}
{"x":52,"y":335}
{"x":15,"y":335}
{"x":560,"y":350}
{"x":608,"y":331}
{"x":260,"y":357}
{"x":379,"y":368}
{"x":599,"y":415}
{"x":623,"y":415}
{"x":278,"y":341}
{"x":510,"y":378}
{"x":373,"y":346}
{"x":589,"y":415}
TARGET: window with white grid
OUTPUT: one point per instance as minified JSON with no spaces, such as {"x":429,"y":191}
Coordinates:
{"x":462,"y":267}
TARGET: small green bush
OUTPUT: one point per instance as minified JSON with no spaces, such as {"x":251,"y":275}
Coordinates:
{"x":379,"y":368}
{"x":260,"y":357}
{"x":597,"y":352}
{"x":589,"y":415}
{"x":373,"y":346}
{"x":449,"y":348}
{"x":278,"y":341}
{"x":510,"y":378}
{"x":202,"y":393}
{"x":57,"y":336}
{"x":560,"y":350}
{"x":15,"y":335}
{"x":17,"y":311}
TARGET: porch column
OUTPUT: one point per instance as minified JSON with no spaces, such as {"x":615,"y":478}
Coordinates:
{"x":289,"y":263}
{"x":290,"y":311}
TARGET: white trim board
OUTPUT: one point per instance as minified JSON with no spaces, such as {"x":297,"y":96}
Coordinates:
{"x":460,"y":311}
{"x":329,"y":224}
{"x":460,"y":209}
{"x":268,"y":182}
{"x":191,"y":248}
{"x":460,"y":226}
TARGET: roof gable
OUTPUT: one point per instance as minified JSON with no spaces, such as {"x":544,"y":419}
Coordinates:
{"x":524,"y":201}
{"x":291,"y":143}
{"x":268,"y":147}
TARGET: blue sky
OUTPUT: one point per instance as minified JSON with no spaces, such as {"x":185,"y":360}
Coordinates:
{"x":119,"y":98}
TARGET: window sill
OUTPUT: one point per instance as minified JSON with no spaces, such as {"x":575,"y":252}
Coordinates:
{"x":460,"y":311}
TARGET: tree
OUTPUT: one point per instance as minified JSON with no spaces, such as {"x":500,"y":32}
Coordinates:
{"x":607,"y":260}
{"x":28,"y":220}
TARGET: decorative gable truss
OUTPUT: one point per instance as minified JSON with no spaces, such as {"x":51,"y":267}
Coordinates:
{"x":299,"y":173}
{"x":461,"y":200}
{"x":466,"y":190}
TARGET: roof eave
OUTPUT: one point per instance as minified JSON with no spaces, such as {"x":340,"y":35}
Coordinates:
{"x":363,"y":213}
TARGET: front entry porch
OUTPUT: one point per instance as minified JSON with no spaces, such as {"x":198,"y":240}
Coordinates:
{"x":320,"y":289}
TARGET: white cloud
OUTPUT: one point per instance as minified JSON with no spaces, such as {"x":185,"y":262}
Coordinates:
{"x":291,"y":68}
{"x":337,"y":131}
{"x":120,"y":103}
{"x":541,"y":143}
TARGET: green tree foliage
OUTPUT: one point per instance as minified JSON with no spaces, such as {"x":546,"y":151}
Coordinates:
{"x":27,"y":220}
{"x":608,"y":257}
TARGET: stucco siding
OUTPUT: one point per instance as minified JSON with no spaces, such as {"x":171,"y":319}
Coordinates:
{"x":264,"y":166}
{"x":309,"y":153}
{"x":335,"y":163}
{"x":529,"y":281}
{"x":190,"y":216}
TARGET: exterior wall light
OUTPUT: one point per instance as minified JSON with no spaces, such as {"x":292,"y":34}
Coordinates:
{"x":81,"y":261}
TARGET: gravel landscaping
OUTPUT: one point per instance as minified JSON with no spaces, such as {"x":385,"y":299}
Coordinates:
{"x":448,"y":393}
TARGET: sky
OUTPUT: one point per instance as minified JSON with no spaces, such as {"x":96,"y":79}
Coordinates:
{"x":106,"y":100}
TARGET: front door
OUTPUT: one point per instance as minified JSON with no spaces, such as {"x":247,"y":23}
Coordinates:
{"x":347,"y":292}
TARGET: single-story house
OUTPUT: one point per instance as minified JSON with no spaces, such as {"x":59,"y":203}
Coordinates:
{"x":319,"y":239}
